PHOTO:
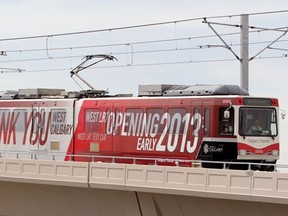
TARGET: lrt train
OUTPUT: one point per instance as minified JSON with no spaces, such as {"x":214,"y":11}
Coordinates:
{"x":164,"y":123}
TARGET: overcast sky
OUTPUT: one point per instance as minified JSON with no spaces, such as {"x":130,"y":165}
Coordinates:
{"x":21,"y":18}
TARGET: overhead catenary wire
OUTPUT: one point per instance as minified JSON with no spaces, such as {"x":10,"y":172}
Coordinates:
{"x":151,"y":64}
{"x":48,"y":49}
{"x":119,"y":44}
{"x":175,"y":39}
{"x":132,"y":43}
{"x":137,"y":26}
{"x":128,"y":52}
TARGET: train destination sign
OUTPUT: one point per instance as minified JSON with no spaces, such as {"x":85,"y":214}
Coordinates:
{"x":257,"y":101}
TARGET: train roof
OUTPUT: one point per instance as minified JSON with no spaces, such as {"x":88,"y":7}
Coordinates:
{"x":191,"y":90}
{"x":164,"y":90}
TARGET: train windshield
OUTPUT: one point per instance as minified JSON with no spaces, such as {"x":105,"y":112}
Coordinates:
{"x":258,"y":122}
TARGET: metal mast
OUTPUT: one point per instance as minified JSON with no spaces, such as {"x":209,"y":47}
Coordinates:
{"x":244,"y":53}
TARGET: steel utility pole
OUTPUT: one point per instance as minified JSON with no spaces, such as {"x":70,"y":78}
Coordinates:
{"x":244,"y":53}
{"x":244,"y":50}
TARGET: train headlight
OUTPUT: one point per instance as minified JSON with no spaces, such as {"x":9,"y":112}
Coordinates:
{"x":243,"y":152}
{"x":275,"y":153}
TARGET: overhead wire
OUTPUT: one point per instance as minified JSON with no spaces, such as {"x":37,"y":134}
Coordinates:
{"x":137,"y":26}
{"x":124,"y":43}
{"x":120,"y":44}
{"x":127,"y":52}
{"x":151,"y":64}
{"x":47,"y":49}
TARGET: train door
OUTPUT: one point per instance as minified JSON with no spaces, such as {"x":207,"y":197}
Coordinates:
{"x":197,"y":127}
{"x":205,"y":130}
{"x":206,"y":116}
{"x":117,"y":145}
{"x":198,"y":120}
{"x":113,"y":125}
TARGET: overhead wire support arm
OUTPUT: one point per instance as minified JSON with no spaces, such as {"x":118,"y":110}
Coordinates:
{"x":224,"y":24}
{"x":269,"y":29}
{"x":82,"y":66}
{"x":267,"y":47}
{"x":3,"y":53}
{"x":7,"y":70}
{"x":4,"y":70}
{"x":212,"y":46}
{"x":223,"y":41}
{"x":275,"y":48}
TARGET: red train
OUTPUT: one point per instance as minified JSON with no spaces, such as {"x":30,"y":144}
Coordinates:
{"x":164,"y":123}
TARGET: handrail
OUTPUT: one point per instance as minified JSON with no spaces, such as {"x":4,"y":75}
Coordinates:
{"x":145,"y":160}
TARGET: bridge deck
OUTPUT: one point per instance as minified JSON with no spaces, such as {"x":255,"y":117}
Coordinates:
{"x":269,"y":187}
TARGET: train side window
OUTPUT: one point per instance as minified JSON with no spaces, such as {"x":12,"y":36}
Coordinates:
{"x":206,"y":122}
{"x":91,"y":120}
{"x":226,"y":122}
{"x":4,"y":115}
{"x":176,"y":117}
{"x":117,"y":123}
{"x":19,"y":114}
{"x":133,"y":120}
{"x":153,"y":117}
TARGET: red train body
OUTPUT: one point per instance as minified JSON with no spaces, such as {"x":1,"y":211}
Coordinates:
{"x":212,"y":123}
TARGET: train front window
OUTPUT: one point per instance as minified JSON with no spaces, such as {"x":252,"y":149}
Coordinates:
{"x":258,"y":122}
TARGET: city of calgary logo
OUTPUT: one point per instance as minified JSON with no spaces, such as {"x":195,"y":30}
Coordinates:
{"x":206,"y":148}
{"x":214,"y":149}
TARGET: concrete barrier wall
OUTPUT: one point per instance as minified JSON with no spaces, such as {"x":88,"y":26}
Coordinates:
{"x":257,"y":186}
{"x":267,"y":186}
{"x":45,"y":172}
{"x":212,"y":183}
{"x":107,"y":176}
